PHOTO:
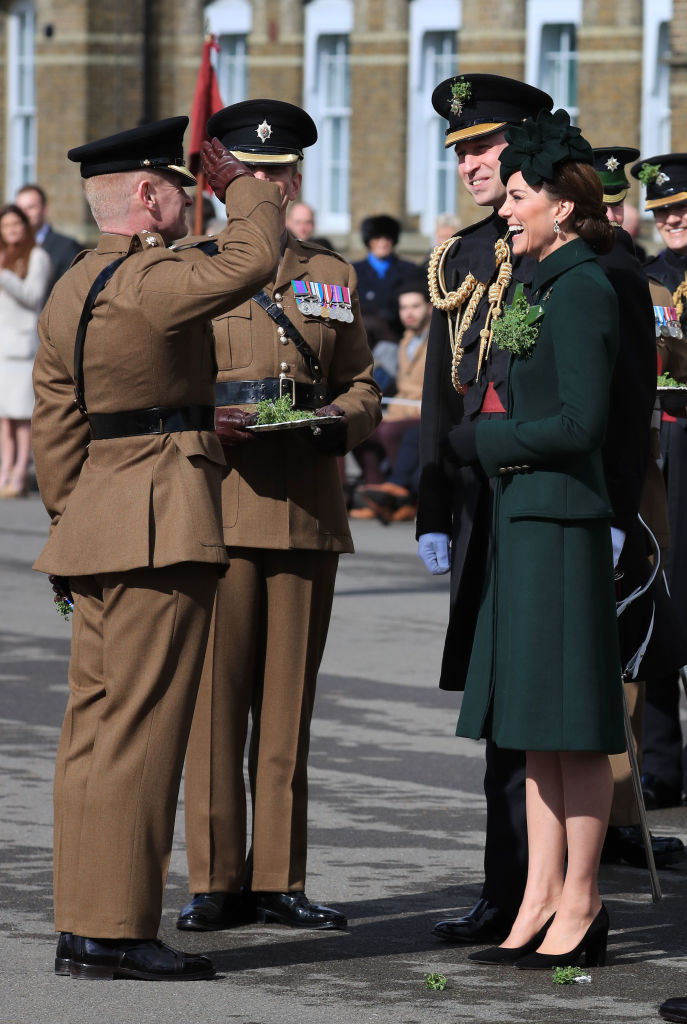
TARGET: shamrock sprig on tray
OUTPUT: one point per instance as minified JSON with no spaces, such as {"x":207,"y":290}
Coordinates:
{"x":517,"y":329}
{"x":280,"y":411}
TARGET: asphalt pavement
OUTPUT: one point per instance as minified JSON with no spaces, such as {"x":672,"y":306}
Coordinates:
{"x":396,"y":836}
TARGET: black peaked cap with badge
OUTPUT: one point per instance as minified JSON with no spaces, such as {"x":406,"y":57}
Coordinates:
{"x":264,"y":131}
{"x":158,"y":146}
{"x":665,"y":178}
{"x":609,"y":164}
{"x":477,"y":105}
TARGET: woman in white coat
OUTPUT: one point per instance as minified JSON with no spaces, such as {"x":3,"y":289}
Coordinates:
{"x":24,"y":274}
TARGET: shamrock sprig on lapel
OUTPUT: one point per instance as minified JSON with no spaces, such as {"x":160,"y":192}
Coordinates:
{"x":517,"y":329}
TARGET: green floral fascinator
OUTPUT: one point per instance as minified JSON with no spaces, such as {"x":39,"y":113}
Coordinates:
{"x":538,"y":144}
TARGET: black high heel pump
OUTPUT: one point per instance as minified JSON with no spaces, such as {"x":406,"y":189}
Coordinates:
{"x":591,"y":948}
{"x":503,"y":956}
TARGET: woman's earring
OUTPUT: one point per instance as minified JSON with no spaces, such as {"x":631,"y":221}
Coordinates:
{"x":556,"y":226}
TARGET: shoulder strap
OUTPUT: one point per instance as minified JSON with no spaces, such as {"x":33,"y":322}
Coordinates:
{"x":292,"y":332}
{"x":86,"y":314}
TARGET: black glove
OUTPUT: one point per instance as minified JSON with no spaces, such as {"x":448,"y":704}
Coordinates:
{"x":220,"y":167}
{"x":461,"y":443}
{"x":230,"y":425}
{"x":330,"y":438}
{"x":675,"y":404}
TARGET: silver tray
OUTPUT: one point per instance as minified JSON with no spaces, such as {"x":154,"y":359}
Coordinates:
{"x":667,"y":389}
{"x":313,"y":421}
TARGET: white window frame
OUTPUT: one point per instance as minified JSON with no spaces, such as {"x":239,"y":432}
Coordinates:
{"x":229,"y":18}
{"x":21,"y":120}
{"x":425,"y":127}
{"x":542,"y":13}
{"x":322,"y":18}
{"x":655,"y":125}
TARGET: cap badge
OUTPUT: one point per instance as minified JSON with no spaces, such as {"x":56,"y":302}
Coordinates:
{"x":612,"y":164}
{"x":661,"y":178}
{"x":461,"y":92}
{"x":264,"y":131}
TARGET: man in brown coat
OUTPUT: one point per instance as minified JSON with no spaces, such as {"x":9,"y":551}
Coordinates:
{"x":285,"y":524}
{"x":130,"y":475}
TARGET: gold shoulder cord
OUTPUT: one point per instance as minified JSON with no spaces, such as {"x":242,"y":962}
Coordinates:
{"x":452,"y":302}
{"x":679,"y":296}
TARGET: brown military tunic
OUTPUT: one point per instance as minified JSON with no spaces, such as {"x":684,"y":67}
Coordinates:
{"x":284,"y":524}
{"x":136,"y":527}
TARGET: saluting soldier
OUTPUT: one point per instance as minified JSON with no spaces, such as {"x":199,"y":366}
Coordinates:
{"x":471,"y":278}
{"x":130,"y":474}
{"x":285,"y":525}
{"x":665,"y":179}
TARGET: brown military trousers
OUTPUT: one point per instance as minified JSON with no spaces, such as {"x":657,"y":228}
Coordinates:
{"x":266,"y":642}
{"x":138,"y":642}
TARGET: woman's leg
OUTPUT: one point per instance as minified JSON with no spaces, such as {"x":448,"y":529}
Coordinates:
{"x":6,"y":451}
{"x":546,"y":842}
{"x":22,"y":436}
{"x":588,"y":792}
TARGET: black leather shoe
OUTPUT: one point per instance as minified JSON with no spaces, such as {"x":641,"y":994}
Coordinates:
{"x":63,"y":954}
{"x":674,"y":1009}
{"x":484,"y":923}
{"x":658,"y":794}
{"x":624,"y":845}
{"x":296,"y":910}
{"x":214,"y":911}
{"x":143,"y":959}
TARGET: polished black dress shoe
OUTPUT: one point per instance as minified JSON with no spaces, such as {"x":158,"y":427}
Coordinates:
{"x":624,"y":845}
{"x":484,"y":923}
{"x":296,"y":910}
{"x":591,"y":948}
{"x":143,"y":959}
{"x":674,"y":1009}
{"x":503,"y":956}
{"x":214,"y":911}
{"x":658,"y":794}
{"x":63,"y":955}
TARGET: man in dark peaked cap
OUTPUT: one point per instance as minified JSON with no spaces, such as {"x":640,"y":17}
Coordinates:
{"x":665,"y":179}
{"x":285,"y":525}
{"x":381,"y":273}
{"x":465,"y":379}
{"x":130,"y":474}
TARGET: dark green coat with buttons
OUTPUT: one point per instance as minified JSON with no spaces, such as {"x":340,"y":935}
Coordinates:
{"x":545,"y":669}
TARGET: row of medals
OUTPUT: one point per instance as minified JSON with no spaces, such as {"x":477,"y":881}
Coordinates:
{"x":667,"y":322}
{"x":315,"y":299}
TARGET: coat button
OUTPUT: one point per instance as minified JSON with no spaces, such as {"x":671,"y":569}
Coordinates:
{"x":284,"y":340}
{"x":278,"y":304}
{"x":277,"y":296}
{"x":284,"y":366}
{"x":280,"y":331}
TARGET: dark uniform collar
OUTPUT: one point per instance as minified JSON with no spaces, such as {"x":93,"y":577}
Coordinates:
{"x":569,"y":255}
{"x":675,"y":259}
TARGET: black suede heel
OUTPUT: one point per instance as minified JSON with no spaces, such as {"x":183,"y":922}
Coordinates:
{"x":591,"y":949}
{"x":503,"y":956}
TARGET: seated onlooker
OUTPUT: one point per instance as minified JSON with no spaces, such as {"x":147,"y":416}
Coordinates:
{"x":60,"y":248}
{"x":381,"y":272}
{"x":377,"y":456}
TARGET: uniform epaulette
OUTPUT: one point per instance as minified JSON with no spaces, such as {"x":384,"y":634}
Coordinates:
{"x":193,"y":242}
{"x":321,"y":248}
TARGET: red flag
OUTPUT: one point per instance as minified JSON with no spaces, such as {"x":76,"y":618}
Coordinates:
{"x":207,"y":101}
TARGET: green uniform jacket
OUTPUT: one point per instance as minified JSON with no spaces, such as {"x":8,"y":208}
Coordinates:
{"x":545,"y":670}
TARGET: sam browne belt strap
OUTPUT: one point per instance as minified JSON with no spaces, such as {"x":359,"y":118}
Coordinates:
{"x":159,"y":419}
{"x":249,"y":392}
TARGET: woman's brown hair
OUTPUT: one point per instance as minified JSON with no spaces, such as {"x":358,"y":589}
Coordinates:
{"x":16,"y":257}
{"x":580,"y":183}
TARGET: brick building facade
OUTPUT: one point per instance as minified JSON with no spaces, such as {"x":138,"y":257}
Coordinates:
{"x":365,"y":69}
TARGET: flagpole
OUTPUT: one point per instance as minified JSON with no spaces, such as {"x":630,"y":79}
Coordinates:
{"x":200,"y":192}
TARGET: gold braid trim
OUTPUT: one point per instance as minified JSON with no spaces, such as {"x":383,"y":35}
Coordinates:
{"x":496,"y":292}
{"x":679,"y":296}
{"x":452,"y":302}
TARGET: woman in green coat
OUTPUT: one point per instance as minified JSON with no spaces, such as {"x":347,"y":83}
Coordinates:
{"x":545,"y":672}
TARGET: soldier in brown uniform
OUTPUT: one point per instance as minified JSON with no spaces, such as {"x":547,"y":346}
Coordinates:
{"x":285,"y":524}
{"x":130,"y":475}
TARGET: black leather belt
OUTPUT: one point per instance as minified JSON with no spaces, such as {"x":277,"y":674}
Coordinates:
{"x":248,"y":392}
{"x":158,"y":420}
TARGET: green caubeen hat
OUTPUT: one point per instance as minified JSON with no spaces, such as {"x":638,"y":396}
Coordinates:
{"x":609,"y":164}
